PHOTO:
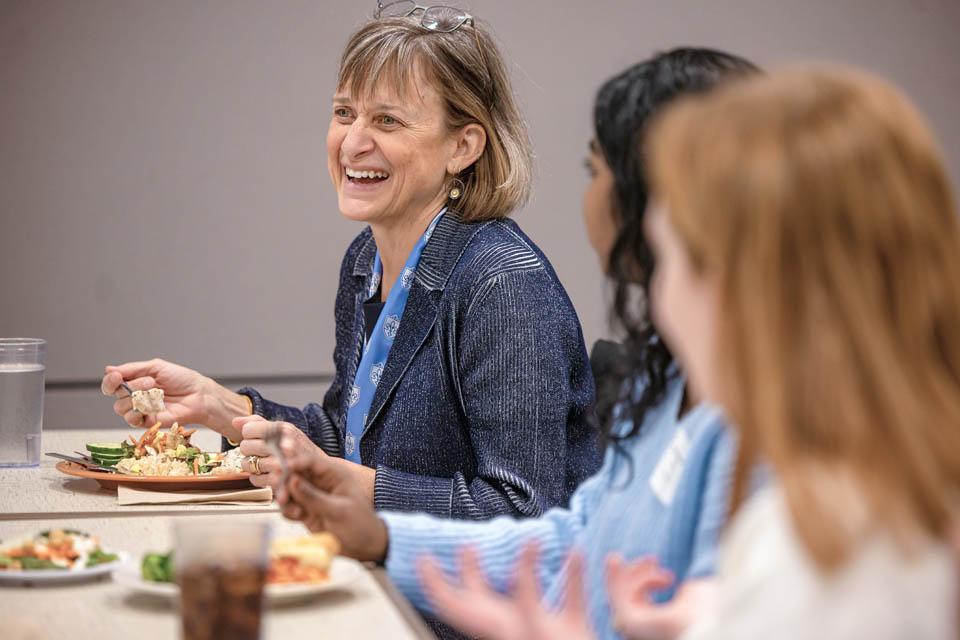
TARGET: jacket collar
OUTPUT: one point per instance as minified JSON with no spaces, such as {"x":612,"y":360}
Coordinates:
{"x":440,"y":255}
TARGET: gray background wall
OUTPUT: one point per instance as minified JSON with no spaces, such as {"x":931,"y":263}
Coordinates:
{"x":163,"y":188}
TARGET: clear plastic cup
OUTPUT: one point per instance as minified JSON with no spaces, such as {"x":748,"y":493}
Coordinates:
{"x":221,"y":568}
{"x":22,"y":368}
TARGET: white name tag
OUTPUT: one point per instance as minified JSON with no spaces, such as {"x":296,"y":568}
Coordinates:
{"x":666,"y":475}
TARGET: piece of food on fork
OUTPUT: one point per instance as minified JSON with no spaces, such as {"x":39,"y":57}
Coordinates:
{"x":149,"y":402}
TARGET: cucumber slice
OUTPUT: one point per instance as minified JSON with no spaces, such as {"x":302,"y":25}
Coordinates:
{"x":117,"y":454}
{"x":105,"y":448}
{"x":105,"y":460}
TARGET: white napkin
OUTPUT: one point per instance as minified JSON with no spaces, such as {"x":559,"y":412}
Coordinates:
{"x":127,"y":495}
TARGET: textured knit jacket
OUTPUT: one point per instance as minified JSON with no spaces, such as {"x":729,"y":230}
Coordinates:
{"x":482,"y":407}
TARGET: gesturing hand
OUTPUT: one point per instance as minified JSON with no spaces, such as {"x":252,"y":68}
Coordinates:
{"x":630,"y":588}
{"x":475,"y":608}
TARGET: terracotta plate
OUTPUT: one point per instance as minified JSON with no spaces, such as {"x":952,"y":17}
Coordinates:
{"x":158,"y":483}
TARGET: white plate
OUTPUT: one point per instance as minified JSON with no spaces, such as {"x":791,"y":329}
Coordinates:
{"x":52,"y":576}
{"x":343,"y":571}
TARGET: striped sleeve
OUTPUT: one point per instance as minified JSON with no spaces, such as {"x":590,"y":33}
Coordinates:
{"x":498,"y":541}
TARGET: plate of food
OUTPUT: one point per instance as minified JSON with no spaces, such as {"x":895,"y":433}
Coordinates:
{"x":162,"y":460}
{"x":56,"y":555}
{"x":299,"y":568}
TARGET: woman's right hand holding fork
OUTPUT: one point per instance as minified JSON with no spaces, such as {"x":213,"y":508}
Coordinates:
{"x":189,"y":396}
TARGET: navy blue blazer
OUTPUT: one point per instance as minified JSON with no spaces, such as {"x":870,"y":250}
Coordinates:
{"x":483,"y":405}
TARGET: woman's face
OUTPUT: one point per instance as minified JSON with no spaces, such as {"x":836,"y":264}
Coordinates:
{"x":684,"y":305}
{"x":598,"y":213}
{"x":389,"y":155}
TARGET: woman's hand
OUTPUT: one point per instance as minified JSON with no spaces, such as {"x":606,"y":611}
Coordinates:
{"x":326,"y":494}
{"x":478,"y":610}
{"x":188,"y":396}
{"x":254,"y":432}
{"x":345,"y":512}
{"x":630,"y":587}
{"x":299,"y":450}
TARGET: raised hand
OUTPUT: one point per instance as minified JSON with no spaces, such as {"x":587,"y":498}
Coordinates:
{"x":630,"y":589}
{"x":475,"y":608}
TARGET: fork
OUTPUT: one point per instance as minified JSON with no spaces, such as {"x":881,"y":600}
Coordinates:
{"x":272,"y":440}
{"x":92,"y":466}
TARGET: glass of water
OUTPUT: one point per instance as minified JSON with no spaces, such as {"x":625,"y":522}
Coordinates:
{"x":21,"y":400}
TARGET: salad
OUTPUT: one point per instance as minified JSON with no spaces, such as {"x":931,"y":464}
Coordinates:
{"x":54,"y":549}
{"x":163,"y":453}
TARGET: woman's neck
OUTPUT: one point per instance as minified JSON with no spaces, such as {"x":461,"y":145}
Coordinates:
{"x":396,"y":239}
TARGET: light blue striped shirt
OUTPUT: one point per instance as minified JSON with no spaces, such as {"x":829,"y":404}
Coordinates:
{"x":667,"y":499}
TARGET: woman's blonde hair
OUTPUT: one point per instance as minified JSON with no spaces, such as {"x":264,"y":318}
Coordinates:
{"x":466,"y":68}
{"x":817,"y":201}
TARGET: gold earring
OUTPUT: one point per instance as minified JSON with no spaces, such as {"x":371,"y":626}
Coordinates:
{"x":457,"y":189}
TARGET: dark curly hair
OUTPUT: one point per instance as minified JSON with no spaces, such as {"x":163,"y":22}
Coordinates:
{"x":622,"y":110}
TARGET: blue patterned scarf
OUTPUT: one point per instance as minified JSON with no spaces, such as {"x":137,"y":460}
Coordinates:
{"x":377,"y":348}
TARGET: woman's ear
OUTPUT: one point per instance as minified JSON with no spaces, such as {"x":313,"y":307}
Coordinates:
{"x":471,"y":141}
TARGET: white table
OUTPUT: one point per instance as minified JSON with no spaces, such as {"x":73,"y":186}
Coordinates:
{"x":37,"y":499}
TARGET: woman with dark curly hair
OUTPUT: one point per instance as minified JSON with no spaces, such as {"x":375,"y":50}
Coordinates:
{"x":625,"y":102}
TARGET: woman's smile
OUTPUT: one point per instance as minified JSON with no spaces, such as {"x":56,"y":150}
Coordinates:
{"x":362,"y":180}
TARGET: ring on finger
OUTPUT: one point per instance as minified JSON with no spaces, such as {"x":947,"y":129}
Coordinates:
{"x":254,"y":462}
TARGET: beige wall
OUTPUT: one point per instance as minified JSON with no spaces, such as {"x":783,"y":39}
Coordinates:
{"x":177,"y":147}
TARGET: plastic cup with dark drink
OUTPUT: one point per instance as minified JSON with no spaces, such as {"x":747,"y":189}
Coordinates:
{"x":221,"y":568}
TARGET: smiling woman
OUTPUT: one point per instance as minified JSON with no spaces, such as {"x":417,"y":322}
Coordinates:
{"x":462,"y":385}
{"x":392,"y":153}
{"x":427,"y":85}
